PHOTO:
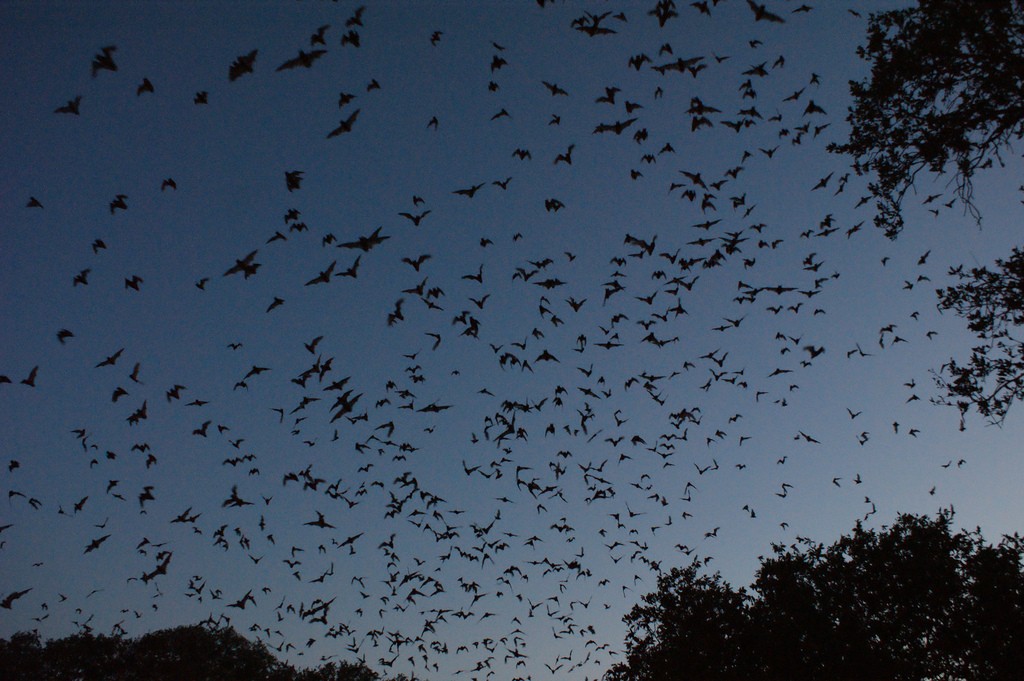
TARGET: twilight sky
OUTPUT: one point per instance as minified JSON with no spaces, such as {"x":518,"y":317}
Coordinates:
{"x":542,"y":311}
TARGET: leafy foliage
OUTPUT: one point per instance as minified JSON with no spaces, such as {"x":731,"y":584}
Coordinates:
{"x":693,"y":622}
{"x":912,"y":601}
{"x":992,"y":302}
{"x":946,"y":92}
{"x":193,"y":652}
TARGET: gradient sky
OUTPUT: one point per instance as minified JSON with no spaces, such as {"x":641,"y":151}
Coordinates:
{"x":525,"y":566}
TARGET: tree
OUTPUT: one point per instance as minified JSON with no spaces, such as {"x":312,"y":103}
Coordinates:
{"x":195,"y":652}
{"x":21,"y":657}
{"x":338,"y":671}
{"x":84,"y":657}
{"x":199,"y":652}
{"x":913,"y":601}
{"x":693,"y":622}
{"x":992,"y":302}
{"x":946,"y":93}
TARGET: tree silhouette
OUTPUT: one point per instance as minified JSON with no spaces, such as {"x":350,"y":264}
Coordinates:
{"x":21,"y":657}
{"x":946,"y":93}
{"x":913,"y":601}
{"x":195,"y":652}
{"x":693,"y":622}
{"x":340,"y":671}
{"x":198,"y":652}
{"x":992,"y":302}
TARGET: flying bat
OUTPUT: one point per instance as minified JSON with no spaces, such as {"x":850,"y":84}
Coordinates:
{"x":71,"y":107}
{"x":304,"y":59}
{"x":469,"y":191}
{"x":95,"y":543}
{"x":104,"y":61}
{"x":591,"y":24}
{"x":416,"y":219}
{"x":345,"y":125}
{"x":761,"y":13}
{"x":318,"y":37}
{"x":111,"y":360}
{"x":616,"y":127}
{"x":555,"y":90}
{"x":245,"y":265}
{"x":693,"y":65}
{"x":365,"y":243}
{"x":324,"y":276}
{"x":417,"y":262}
{"x":8,"y":600}
{"x":242,"y":65}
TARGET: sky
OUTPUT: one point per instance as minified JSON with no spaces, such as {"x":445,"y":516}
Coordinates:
{"x":511,"y":349}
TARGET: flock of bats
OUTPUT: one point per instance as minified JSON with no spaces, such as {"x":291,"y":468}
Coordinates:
{"x":436,"y":522}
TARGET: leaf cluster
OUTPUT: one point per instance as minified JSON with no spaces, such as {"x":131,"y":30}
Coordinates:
{"x":945,"y":94}
{"x":194,"y":652}
{"x":912,"y":601}
{"x":992,"y":303}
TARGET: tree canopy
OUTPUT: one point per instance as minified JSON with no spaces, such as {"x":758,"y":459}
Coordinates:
{"x":992,"y":302}
{"x":913,"y":601}
{"x":193,"y":652}
{"x":945,"y":94}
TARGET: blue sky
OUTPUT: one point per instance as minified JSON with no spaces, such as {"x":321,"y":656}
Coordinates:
{"x":594,"y":469}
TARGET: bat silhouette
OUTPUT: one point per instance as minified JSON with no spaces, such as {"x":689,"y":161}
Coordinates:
{"x":616,"y":127}
{"x":104,"y":61}
{"x":345,"y":125}
{"x":761,"y":13}
{"x":9,"y":599}
{"x":304,"y":59}
{"x":242,"y":65}
{"x":469,"y":192}
{"x":244,"y":265}
{"x":71,"y":107}
{"x":365,"y":243}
